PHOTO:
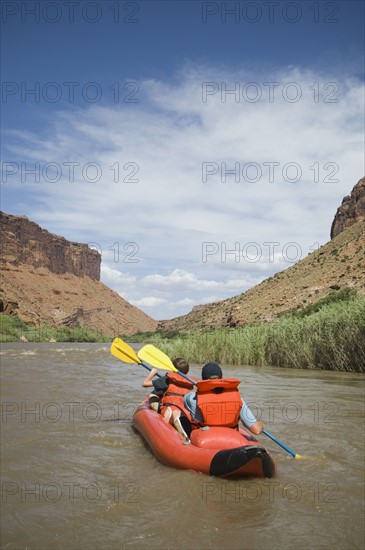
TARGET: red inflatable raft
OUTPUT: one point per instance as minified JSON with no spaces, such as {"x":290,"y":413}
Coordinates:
{"x":222,"y":452}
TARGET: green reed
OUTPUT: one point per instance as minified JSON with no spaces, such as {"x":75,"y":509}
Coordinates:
{"x":332,"y":338}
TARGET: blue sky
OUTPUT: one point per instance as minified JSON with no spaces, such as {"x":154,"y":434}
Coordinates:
{"x":200,"y":146}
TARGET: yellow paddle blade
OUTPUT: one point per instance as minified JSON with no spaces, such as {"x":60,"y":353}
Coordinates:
{"x":123,"y":351}
{"x":156,"y":358}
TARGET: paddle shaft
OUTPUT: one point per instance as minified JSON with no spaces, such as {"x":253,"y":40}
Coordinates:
{"x":149,"y":368}
{"x":280,"y":443}
{"x":187,"y":377}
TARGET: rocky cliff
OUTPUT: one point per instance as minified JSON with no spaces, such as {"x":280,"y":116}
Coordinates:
{"x":23,"y":242}
{"x":47,"y":280}
{"x":351,"y":210}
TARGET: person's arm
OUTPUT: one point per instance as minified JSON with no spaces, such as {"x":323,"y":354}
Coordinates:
{"x":191,"y":405}
{"x":147,"y":383}
{"x":257,"y":427}
{"x":160,"y":385}
{"x":249,"y":421}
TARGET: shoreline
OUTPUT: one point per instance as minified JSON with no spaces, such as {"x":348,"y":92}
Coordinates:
{"x":325,"y":336}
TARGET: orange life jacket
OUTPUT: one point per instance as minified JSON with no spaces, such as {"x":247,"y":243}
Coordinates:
{"x":177,"y":388}
{"x":219,"y":401}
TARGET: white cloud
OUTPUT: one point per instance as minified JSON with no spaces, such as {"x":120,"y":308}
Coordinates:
{"x":178,"y":279}
{"x":149,"y":301}
{"x":152,"y":231}
{"x":186,"y":302}
{"x":113,"y":275}
{"x":123,"y":283}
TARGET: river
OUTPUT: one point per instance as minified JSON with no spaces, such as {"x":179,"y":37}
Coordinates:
{"x":75,"y":475}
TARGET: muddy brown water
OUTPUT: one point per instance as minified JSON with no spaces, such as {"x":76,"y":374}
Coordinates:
{"x":75,"y":475}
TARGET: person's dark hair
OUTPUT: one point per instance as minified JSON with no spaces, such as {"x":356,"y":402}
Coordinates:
{"x":211,"y":370}
{"x":181,"y":364}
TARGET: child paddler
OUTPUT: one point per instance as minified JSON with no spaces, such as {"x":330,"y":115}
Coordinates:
{"x":168,"y":395}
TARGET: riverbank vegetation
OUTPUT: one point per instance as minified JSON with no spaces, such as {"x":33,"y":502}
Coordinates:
{"x":327,"y":335}
{"x":13,"y":329}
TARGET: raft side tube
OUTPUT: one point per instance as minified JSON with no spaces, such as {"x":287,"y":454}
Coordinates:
{"x":232,"y":461}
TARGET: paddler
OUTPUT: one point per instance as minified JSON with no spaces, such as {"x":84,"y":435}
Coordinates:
{"x":217,"y":402}
{"x":168,"y":395}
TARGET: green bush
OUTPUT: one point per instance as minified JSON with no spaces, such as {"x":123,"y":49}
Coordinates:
{"x":342,"y":295}
{"x":12,"y":328}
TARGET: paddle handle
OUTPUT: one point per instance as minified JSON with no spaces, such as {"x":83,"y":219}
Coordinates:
{"x":280,"y":443}
{"x":149,"y":368}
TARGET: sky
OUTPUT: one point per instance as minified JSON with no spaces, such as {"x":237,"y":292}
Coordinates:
{"x":200,"y":147}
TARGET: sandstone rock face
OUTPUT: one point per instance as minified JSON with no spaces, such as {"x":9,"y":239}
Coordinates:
{"x":25,"y":242}
{"x":351,"y":210}
{"x":47,"y":280}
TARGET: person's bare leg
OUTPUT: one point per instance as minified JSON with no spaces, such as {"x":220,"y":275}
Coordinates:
{"x":178,"y":426}
{"x":154,"y":402}
{"x":168,"y":413}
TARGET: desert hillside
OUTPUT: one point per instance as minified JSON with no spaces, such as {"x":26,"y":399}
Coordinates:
{"x":337,"y":264}
{"x":47,"y":280}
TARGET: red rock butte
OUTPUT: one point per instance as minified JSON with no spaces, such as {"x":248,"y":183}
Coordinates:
{"x":47,"y":280}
